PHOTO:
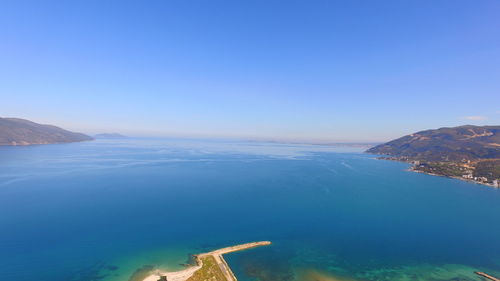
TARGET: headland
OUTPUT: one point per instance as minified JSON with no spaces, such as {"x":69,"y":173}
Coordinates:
{"x":470,"y":153}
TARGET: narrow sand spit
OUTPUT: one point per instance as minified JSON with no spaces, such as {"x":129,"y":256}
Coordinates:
{"x":217,"y":255}
{"x":487,"y":276}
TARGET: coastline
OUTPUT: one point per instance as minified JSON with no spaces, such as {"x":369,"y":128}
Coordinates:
{"x":217,"y":255}
{"x":413,"y":166}
{"x":412,"y":169}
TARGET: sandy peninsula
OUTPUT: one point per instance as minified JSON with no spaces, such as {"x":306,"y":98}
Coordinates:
{"x":211,"y":265}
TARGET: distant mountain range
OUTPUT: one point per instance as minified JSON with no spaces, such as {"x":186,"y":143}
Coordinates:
{"x":15,"y":131}
{"x":469,"y":152}
{"x":110,"y":136}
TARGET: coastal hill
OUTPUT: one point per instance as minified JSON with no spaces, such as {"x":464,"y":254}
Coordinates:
{"x":466,"y":152}
{"x":446,"y":144}
{"x":110,"y":136}
{"x":15,"y":131}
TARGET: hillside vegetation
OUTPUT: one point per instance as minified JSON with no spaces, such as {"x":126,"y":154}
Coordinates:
{"x":467,"y":152}
{"x":15,"y":131}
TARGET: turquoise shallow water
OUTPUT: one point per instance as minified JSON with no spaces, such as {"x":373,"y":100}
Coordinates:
{"x":101,"y":210}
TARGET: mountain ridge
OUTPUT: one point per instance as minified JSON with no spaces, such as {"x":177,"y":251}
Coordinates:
{"x":448,"y":143}
{"x":17,"y":131}
{"x":467,"y":152}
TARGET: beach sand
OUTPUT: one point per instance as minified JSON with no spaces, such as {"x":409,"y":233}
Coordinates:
{"x":185,"y":274}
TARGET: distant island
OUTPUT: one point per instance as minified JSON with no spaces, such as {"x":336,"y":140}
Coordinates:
{"x":15,"y":131}
{"x":466,"y":152}
{"x":110,"y":136}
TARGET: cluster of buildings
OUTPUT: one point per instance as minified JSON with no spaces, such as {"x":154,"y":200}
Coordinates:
{"x":469,"y":176}
{"x":451,"y":169}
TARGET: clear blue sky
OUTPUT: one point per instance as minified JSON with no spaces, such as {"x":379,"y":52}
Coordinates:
{"x":322,"y":70}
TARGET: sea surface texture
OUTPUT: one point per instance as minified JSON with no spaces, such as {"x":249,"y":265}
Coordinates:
{"x":104,"y":210}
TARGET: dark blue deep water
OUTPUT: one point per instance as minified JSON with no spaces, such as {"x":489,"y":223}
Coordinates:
{"x":101,"y":210}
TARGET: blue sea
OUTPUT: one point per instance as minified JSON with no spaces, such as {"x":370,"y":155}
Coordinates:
{"x":101,"y":210}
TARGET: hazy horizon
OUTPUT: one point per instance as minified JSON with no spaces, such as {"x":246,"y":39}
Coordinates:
{"x":304,"y":140}
{"x":329,"y":71}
